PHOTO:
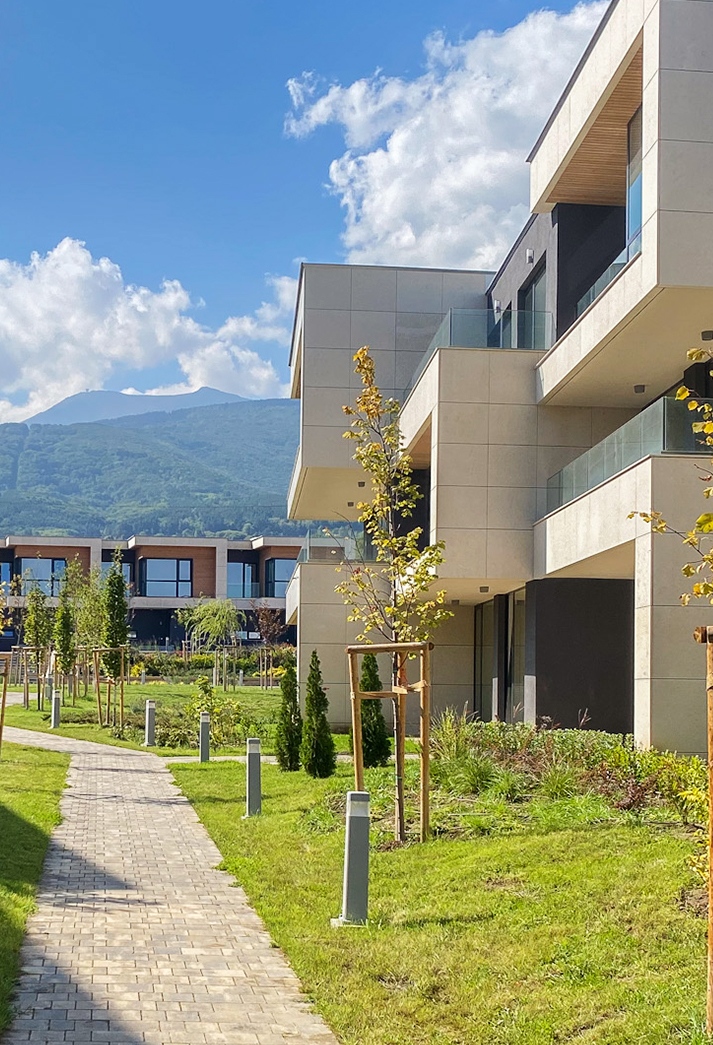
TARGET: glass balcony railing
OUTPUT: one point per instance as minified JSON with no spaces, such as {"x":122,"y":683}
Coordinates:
{"x":628,"y":254}
{"x":243,"y":590}
{"x":664,"y":427}
{"x":489,"y":328}
{"x":318,"y":547}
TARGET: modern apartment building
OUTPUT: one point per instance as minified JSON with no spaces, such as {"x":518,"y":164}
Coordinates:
{"x":537,"y":406}
{"x":163,"y":574}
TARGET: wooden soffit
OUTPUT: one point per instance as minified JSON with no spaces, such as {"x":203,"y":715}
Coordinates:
{"x":597,"y":172}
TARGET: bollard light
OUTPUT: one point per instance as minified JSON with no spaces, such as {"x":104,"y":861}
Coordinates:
{"x":56,"y":709}
{"x":253,"y":784}
{"x":355,"y":895}
{"x":204,"y":737}
{"x":150,"y":724}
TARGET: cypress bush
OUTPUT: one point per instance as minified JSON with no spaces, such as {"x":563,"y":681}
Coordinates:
{"x":317,"y":749}
{"x":288,"y":735}
{"x":376,"y":744}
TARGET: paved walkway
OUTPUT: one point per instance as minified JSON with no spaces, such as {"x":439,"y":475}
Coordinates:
{"x":137,"y":938}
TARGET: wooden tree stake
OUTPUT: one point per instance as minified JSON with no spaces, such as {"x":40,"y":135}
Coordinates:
{"x":705,"y":635}
{"x":6,"y":661}
{"x":398,"y":694}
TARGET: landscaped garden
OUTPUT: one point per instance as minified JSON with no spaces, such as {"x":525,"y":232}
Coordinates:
{"x":31,"y":783}
{"x":560,"y":900}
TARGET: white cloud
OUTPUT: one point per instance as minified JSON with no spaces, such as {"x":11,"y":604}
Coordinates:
{"x":434,"y":171}
{"x":68,"y":321}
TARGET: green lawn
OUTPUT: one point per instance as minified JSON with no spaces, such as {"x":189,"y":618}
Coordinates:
{"x":537,"y":936}
{"x":31,"y":782}
{"x":262,"y":704}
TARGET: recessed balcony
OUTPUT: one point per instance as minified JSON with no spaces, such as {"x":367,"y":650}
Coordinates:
{"x":664,"y":427}
{"x":489,"y":328}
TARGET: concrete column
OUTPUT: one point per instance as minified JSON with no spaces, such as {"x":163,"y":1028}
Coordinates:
{"x":669,"y":667}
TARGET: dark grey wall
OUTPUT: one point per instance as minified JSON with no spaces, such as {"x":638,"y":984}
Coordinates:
{"x":539,"y":235}
{"x":579,"y":648}
{"x":588,"y":241}
{"x":576,"y":242}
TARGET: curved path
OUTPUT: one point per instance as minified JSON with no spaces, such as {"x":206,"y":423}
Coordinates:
{"x":137,"y":938}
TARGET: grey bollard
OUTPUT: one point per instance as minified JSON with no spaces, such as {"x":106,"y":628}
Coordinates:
{"x":253,"y":786}
{"x":241,"y":677}
{"x":150,"y":725}
{"x":143,"y":676}
{"x":355,"y":896}
{"x":56,"y":709}
{"x":204,"y":738}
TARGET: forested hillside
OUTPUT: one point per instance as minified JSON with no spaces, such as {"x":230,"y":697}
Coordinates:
{"x":213,"y":470}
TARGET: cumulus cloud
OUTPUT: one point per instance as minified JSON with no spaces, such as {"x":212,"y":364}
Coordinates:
{"x":434,"y":170}
{"x":68,"y":321}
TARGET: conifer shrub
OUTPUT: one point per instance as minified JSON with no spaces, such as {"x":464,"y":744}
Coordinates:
{"x":317,"y":749}
{"x":376,"y":745}
{"x":288,"y":735}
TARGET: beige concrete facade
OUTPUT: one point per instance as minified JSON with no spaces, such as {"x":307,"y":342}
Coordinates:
{"x":492,"y":427}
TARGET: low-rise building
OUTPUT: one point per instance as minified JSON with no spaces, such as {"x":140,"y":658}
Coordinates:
{"x":163,"y":574}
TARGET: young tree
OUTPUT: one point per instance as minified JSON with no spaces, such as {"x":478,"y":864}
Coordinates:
{"x":288,"y":736}
{"x":65,"y":642}
{"x":211,"y":623}
{"x":317,"y":748}
{"x":38,"y":630}
{"x":393,"y":596}
{"x":87,"y":592}
{"x":116,"y":611}
{"x":375,"y":741}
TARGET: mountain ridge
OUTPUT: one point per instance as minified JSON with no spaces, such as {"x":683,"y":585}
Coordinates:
{"x":218,"y":470}
{"x":107,"y":405}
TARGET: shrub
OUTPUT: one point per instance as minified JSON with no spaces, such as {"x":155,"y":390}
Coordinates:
{"x":376,"y":745}
{"x":465,"y":775}
{"x":317,"y":750}
{"x":559,"y":781}
{"x":288,"y":736}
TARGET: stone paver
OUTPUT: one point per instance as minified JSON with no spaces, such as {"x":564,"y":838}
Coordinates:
{"x":137,"y":938}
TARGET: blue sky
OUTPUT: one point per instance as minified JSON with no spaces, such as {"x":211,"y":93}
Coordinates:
{"x":154,"y":133}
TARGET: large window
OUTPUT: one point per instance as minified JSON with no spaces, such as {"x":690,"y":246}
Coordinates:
{"x":242,"y":580}
{"x":633,"y":187}
{"x":6,"y":576}
{"x":166,"y":578}
{"x":125,"y":569}
{"x":46,"y":574}
{"x":277,"y":576}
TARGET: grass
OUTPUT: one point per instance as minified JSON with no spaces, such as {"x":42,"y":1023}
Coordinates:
{"x":262,"y":704}
{"x":566,"y":926}
{"x":31,"y":782}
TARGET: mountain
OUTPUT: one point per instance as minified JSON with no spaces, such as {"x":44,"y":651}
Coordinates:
{"x":101,"y":406}
{"x":209,"y":470}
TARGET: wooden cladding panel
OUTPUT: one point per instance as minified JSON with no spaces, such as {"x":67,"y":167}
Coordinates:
{"x":597,"y":172}
{"x":44,"y":551}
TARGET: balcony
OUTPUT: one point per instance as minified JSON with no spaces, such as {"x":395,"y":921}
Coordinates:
{"x":662,"y":428}
{"x":335,"y":549}
{"x":489,"y":328}
{"x":243,"y":590}
{"x":609,"y":275}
